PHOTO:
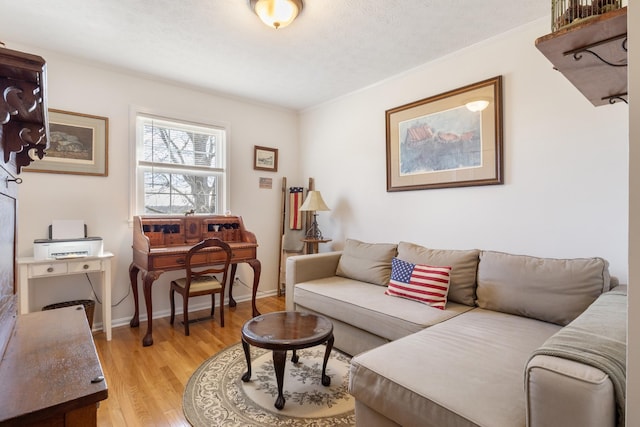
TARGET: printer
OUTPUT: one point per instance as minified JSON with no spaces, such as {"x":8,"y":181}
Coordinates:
{"x":67,"y":239}
{"x":66,"y":248}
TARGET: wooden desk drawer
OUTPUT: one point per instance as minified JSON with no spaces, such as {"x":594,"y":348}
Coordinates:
{"x":243,"y":254}
{"x":84,"y":266}
{"x":168,"y":262}
{"x":177,"y":261}
{"x":41,"y":270}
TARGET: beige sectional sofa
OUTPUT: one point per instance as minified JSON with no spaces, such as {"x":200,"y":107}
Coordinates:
{"x":508,"y":350}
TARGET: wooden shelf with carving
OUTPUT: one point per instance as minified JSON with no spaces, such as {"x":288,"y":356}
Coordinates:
{"x":23,"y":108}
{"x":592,"y":55}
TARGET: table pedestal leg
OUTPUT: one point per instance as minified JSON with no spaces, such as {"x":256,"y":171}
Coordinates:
{"x":326,"y":380}
{"x":279,"y":358}
{"x":247,"y":355}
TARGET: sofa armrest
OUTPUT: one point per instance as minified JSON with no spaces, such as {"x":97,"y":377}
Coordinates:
{"x":567,"y":393}
{"x":303,"y":268}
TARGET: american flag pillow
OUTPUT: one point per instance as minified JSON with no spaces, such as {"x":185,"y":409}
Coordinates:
{"x":422,"y":283}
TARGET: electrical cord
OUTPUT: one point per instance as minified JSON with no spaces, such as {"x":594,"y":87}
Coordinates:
{"x":95,"y":295}
{"x":259,"y":292}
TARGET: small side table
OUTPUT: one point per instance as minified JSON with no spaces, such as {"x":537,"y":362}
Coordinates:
{"x":287,"y":330}
{"x":311,"y":245}
{"x":30,"y":269}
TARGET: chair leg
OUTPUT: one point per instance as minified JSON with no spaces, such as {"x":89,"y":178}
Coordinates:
{"x":172,"y":294}
{"x":185,"y":313}
{"x":213,"y":304}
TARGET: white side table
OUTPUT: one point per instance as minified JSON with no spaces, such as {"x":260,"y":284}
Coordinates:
{"x":30,"y":268}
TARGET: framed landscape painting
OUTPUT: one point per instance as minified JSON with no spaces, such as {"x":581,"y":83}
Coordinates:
{"x":265,"y":159}
{"x":453,"y":139}
{"x":78,"y":144}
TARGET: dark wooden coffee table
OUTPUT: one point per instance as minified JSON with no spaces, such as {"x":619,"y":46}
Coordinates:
{"x":287,"y":330}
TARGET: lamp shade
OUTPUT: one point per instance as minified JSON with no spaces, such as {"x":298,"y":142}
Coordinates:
{"x":276,"y":13}
{"x":314,"y":202}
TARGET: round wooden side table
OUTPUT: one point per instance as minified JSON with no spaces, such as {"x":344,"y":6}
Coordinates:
{"x":282,"y":331}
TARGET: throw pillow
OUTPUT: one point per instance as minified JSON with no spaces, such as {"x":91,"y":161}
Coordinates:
{"x":464,"y":265}
{"x":367,"y":262}
{"x":423,"y":283}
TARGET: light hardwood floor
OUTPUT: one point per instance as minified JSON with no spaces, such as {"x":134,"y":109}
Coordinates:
{"x":146,"y":383}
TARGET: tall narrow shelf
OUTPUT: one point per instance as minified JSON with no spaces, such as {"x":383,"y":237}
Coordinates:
{"x":24,"y":132}
{"x":592,"y":55}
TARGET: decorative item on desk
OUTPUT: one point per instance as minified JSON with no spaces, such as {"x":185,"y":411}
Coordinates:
{"x":314,"y":203}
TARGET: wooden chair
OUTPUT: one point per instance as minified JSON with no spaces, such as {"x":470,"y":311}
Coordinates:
{"x":197,"y":283}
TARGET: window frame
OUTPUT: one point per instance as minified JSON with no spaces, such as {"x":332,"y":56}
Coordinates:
{"x":137,"y":192}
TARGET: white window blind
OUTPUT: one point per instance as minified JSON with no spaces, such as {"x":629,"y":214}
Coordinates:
{"x":180,"y":166}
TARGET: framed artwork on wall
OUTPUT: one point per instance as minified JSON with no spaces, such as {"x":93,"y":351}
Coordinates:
{"x":453,"y":139}
{"x":78,"y":144}
{"x":265,"y":159}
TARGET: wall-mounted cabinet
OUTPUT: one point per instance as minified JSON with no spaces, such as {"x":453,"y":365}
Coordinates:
{"x":23,"y":108}
{"x":592,"y":55}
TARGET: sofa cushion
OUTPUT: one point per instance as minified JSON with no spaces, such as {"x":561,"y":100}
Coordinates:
{"x":367,"y":262}
{"x":422,"y":283}
{"x":366,"y":307}
{"x":552,"y":290}
{"x":463,"y":263}
{"x":467,"y":371}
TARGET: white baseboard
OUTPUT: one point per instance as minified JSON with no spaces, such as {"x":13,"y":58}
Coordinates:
{"x":124,"y":321}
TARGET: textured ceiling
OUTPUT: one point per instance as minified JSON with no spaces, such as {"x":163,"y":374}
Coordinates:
{"x":333,"y":48}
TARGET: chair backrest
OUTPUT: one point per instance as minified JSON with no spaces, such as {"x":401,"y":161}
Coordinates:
{"x":221,"y":267}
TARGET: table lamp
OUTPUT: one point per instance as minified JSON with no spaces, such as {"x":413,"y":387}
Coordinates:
{"x":314,"y":203}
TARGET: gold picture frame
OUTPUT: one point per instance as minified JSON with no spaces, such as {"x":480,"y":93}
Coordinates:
{"x":265,"y":159}
{"x":78,"y":144}
{"x":453,"y":139}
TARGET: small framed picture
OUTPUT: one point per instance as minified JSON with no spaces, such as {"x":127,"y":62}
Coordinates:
{"x":265,"y":159}
{"x":78,"y":144}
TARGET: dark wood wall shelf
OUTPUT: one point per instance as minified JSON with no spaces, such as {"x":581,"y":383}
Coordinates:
{"x":592,"y":55}
{"x":24,"y":127}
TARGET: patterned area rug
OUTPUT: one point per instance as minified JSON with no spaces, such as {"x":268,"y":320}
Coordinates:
{"x":216,"y":396}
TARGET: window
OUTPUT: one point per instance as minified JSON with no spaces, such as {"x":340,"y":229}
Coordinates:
{"x":180,"y":166}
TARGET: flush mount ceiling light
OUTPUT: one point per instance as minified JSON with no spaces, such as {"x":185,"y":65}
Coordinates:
{"x":276,"y":13}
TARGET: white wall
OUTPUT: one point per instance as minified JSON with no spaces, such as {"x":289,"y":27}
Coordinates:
{"x":103,"y":202}
{"x":633,"y":332}
{"x":567,"y":190}
{"x":565,"y":163}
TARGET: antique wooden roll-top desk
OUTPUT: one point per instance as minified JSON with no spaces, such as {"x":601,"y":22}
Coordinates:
{"x":160,"y":244}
